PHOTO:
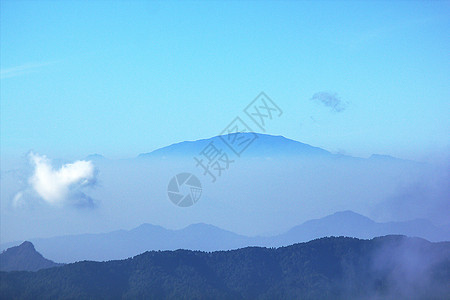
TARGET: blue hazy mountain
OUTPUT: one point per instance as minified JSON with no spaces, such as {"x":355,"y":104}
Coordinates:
{"x":274,"y":174}
{"x":258,"y":145}
{"x":24,"y":258}
{"x":122,"y":243}
{"x":348,"y":223}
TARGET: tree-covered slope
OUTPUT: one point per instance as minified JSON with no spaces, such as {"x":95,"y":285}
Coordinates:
{"x":327,"y":268}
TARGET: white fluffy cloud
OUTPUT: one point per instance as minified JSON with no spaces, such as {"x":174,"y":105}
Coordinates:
{"x":61,"y":186}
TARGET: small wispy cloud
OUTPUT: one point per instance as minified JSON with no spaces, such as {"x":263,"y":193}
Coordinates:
{"x":330,"y":100}
{"x":22,"y":69}
{"x":58,"y":187}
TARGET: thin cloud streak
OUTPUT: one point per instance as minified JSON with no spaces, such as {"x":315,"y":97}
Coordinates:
{"x":22,"y":69}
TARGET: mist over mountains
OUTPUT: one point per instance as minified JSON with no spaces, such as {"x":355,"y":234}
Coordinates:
{"x":272,"y":186}
{"x":127,"y":243}
{"x":224,"y":150}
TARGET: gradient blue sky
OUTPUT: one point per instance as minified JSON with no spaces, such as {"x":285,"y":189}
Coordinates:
{"x":122,"y":78}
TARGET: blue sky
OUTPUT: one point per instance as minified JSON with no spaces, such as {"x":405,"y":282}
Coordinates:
{"x":122,"y":78}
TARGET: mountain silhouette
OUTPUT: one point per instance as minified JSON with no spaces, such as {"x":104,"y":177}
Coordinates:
{"x":24,"y":258}
{"x":261,"y":145}
{"x":127,"y":243}
{"x":349,"y":223}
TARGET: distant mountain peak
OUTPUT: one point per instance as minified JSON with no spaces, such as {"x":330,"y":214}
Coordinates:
{"x":24,"y":258}
{"x":340,"y":218}
{"x":200,"y":236}
{"x":202,"y":226}
{"x":259,"y":145}
{"x":27,"y":246}
{"x":348,"y":214}
{"x":147,"y":226}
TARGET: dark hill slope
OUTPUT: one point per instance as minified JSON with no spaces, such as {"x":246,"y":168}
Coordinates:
{"x":24,"y":258}
{"x":334,"y":268}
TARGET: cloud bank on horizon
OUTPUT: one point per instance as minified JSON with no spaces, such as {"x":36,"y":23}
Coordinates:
{"x":58,"y":187}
